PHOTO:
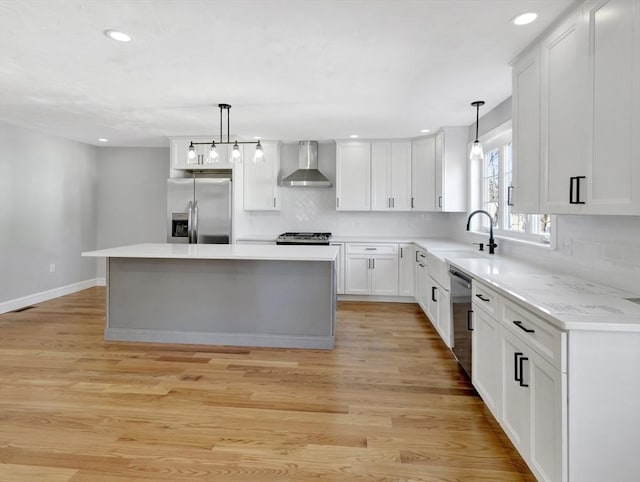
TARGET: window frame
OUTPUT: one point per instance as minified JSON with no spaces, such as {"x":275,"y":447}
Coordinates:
{"x":500,"y":138}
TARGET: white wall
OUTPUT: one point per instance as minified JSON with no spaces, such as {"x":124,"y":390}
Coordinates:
{"x":313,"y":209}
{"x":47,"y":212}
{"x":132,"y":196}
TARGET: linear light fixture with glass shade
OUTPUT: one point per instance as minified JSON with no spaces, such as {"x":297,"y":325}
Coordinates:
{"x":214,"y":156}
{"x":476,"y":149}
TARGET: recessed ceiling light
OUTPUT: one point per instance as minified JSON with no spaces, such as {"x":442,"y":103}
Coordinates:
{"x":354,"y":136}
{"x":102,"y":139}
{"x":425,"y":130}
{"x":257,"y":137}
{"x":119,"y":36}
{"x":524,"y":19}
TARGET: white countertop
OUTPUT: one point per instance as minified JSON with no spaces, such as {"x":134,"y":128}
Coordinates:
{"x":567,"y":302}
{"x":219,"y":251}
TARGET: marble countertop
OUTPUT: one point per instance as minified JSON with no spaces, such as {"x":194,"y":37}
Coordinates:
{"x":219,"y":251}
{"x":565,"y":301}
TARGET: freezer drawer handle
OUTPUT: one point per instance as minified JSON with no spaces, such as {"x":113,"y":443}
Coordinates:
{"x":522,"y":327}
{"x":482,"y":297}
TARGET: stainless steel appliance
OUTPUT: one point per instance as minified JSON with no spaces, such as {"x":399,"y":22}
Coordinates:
{"x":304,"y":238}
{"x":462,"y":323}
{"x":199,"y":210}
{"x":307,"y":174}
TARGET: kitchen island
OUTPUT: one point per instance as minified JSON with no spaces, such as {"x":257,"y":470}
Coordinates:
{"x":243,"y":295}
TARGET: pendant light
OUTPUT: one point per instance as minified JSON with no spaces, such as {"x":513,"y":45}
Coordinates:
{"x":476,"y":149}
{"x":259,"y":154}
{"x":214,"y":156}
{"x":236,"y":154}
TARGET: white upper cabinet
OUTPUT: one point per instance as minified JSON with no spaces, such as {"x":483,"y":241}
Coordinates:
{"x":423,"y":168}
{"x":451,"y":169}
{"x":562,"y":127}
{"x":353,"y":176}
{"x":261,"y":191}
{"x":524,"y":195}
{"x":391,"y":175}
{"x":589,"y":114}
{"x":613,"y":153}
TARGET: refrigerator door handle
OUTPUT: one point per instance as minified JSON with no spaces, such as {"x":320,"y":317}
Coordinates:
{"x":195,"y":222}
{"x":190,"y":222}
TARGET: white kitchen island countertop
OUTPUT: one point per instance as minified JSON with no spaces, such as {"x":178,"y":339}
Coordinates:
{"x":219,"y":251}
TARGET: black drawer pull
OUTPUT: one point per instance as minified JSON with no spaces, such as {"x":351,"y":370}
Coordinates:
{"x":523,"y":328}
{"x":521,"y":380}
{"x":433,"y":294}
{"x":482,"y":297}
{"x":469,"y":327}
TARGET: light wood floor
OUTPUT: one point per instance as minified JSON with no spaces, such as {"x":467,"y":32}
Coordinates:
{"x":388,"y":404}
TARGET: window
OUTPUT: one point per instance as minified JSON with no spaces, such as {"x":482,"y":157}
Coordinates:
{"x":494,"y":195}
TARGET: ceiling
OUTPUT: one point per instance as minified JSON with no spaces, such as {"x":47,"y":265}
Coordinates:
{"x":291,"y":69}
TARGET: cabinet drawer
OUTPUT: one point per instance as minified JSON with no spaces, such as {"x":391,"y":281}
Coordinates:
{"x":548,"y":341}
{"x":486,"y":299}
{"x":372,"y":249}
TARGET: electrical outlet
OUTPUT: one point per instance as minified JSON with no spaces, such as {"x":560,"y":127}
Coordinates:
{"x":52,"y":268}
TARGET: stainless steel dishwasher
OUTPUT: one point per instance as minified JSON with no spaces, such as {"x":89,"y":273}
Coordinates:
{"x":462,"y":323}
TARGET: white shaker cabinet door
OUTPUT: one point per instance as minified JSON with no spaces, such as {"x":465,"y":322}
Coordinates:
{"x":423,"y":167}
{"x":353,"y":176}
{"x":523,"y":195}
{"x":486,"y":362}
{"x":384,"y":276}
{"x":613,"y":157}
{"x":401,"y":176}
{"x":563,"y":126}
{"x":381,"y":166}
{"x":357,"y":274}
{"x":261,"y":192}
{"x":407,"y":270}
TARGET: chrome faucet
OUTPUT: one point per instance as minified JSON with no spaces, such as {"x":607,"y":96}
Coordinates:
{"x":492,"y":245}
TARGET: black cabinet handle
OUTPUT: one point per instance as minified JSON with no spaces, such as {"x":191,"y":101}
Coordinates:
{"x":433,"y":294}
{"x":509,"y":198}
{"x":439,"y":201}
{"x":482,"y":297}
{"x":575,"y":181}
{"x":522,"y":327}
{"x":520,"y":365}
{"x":469,"y":327}
{"x":516,"y":365}
{"x":417,"y":257}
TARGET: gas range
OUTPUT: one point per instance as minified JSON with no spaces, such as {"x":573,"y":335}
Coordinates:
{"x":304,"y":238}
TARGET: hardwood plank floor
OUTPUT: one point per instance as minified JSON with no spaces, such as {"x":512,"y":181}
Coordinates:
{"x":388,"y":404}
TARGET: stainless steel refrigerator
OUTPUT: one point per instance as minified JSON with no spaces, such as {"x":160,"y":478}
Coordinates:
{"x":199,"y":210}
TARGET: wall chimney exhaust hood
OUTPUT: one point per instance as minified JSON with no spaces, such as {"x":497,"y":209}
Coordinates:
{"x":307,"y":174}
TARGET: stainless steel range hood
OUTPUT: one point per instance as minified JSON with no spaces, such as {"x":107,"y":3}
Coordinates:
{"x":307,"y":174}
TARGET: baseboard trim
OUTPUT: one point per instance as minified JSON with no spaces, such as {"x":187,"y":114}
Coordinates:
{"x":29,"y":300}
{"x":385,"y":299}
{"x":234,"y":339}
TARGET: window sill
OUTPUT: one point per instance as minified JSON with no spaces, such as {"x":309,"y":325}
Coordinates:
{"x":515,"y":239}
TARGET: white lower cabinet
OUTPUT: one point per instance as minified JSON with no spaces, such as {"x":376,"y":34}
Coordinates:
{"x":534,"y":408}
{"x":371,"y":269}
{"x":517,"y":368}
{"x":486,"y":361}
{"x":406,"y":270}
{"x":340,"y":268}
{"x":422,"y":279}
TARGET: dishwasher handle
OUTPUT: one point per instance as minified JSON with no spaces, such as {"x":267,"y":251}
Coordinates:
{"x":460,"y":278}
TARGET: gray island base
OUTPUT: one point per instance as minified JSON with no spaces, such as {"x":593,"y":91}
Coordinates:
{"x":266,"y":296}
